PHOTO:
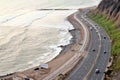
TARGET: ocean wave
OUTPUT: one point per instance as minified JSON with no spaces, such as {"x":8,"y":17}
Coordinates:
{"x":28,"y":36}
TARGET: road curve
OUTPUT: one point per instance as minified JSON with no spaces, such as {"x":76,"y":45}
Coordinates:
{"x":103,"y":58}
{"x":75,"y":58}
{"x":94,"y":59}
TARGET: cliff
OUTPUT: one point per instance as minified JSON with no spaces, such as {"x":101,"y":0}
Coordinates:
{"x":111,"y":8}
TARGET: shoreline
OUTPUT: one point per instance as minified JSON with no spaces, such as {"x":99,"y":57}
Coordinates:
{"x":64,"y":55}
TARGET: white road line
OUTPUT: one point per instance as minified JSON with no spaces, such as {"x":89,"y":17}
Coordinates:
{"x":86,"y":78}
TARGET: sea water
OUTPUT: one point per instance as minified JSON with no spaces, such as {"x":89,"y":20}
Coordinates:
{"x":30,"y":36}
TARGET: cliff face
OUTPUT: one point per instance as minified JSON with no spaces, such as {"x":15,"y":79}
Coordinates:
{"x":111,"y":8}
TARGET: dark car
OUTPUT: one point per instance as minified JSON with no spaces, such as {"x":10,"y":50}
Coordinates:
{"x":93,"y":50}
{"x":105,"y":52}
{"x":104,"y":37}
{"x":97,"y":71}
{"x":26,"y":79}
{"x":36,"y":69}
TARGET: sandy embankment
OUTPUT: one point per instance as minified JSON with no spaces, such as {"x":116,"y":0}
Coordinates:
{"x":66,"y":54}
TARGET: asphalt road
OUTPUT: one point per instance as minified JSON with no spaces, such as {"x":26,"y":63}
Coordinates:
{"x":93,"y":59}
{"x":103,"y":58}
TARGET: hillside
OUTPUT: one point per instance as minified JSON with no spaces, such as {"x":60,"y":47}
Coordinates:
{"x":111,"y":8}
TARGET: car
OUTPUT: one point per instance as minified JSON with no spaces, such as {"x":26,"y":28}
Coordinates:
{"x":104,"y":37}
{"x":91,"y":28}
{"x":105,"y":52}
{"x":26,"y":79}
{"x":36,"y":69}
{"x":93,"y":50}
{"x":97,"y":71}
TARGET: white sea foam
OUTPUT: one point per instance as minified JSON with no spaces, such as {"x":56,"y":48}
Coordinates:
{"x":29,"y":36}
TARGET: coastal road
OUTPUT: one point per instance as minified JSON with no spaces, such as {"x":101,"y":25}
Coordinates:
{"x":93,"y":59}
{"x":72,"y":62}
{"x":103,"y":59}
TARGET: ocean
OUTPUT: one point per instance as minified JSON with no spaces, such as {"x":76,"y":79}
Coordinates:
{"x":30,"y":36}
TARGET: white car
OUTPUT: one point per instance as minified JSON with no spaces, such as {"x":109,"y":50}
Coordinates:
{"x":90,"y":28}
{"x":97,"y":71}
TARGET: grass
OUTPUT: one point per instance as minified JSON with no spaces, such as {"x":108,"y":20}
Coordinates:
{"x":114,"y":33}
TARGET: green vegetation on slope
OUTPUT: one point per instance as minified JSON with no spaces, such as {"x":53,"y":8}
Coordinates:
{"x":113,"y":32}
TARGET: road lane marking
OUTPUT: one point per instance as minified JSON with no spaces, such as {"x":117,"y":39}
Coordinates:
{"x":86,"y":78}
